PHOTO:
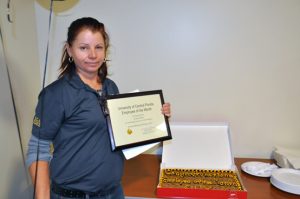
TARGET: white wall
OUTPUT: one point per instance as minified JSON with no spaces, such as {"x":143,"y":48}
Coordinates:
{"x":21,"y":57}
{"x":21,"y":51}
{"x":13,"y":182}
{"x":216,"y":61}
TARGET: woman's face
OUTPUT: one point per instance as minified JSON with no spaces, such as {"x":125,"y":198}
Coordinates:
{"x":88,"y":52}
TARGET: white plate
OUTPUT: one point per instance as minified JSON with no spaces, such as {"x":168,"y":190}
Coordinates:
{"x":287,"y":180}
{"x":260,"y":169}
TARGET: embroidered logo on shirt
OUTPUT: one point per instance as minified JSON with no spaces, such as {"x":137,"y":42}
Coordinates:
{"x":37,"y":121}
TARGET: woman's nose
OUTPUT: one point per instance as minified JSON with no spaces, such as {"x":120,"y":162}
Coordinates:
{"x":92,"y":53}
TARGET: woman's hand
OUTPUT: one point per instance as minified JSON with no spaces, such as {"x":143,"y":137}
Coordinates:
{"x":166,"y":109}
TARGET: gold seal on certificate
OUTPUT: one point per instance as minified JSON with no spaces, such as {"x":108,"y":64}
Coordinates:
{"x":135,"y":119}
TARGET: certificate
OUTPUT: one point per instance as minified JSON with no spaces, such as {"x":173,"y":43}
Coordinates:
{"x":135,"y":119}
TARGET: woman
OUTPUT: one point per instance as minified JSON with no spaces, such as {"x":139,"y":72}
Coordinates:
{"x":69,"y":115}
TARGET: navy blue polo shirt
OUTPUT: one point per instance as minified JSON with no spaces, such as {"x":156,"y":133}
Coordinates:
{"x":68,"y":113}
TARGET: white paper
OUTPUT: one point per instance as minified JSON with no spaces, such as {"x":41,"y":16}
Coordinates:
{"x":132,"y":152}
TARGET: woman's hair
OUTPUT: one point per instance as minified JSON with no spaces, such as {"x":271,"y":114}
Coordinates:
{"x":85,"y":23}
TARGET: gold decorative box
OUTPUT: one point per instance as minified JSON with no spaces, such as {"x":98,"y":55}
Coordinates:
{"x":198,"y":163}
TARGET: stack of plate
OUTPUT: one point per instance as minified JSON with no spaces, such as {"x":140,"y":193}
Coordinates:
{"x":287,"y":180}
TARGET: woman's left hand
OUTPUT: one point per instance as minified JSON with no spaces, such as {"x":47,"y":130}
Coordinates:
{"x":166,"y":109}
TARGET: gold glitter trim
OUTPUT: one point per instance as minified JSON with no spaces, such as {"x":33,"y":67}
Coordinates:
{"x":200,"y":179}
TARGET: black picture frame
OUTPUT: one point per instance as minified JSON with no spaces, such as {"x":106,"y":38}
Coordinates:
{"x":140,"y":113}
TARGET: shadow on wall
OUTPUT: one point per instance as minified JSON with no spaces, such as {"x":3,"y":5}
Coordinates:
{"x":19,"y":186}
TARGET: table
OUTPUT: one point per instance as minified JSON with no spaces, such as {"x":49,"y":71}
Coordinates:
{"x":141,"y":178}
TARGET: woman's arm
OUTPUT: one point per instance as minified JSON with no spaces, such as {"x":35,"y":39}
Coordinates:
{"x":39,"y":172}
{"x":39,"y":166}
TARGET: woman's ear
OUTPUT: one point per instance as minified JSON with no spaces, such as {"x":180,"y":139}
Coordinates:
{"x":69,"y":51}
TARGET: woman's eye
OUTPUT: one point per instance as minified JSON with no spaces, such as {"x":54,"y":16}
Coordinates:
{"x":99,"y":47}
{"x":82,"y":48}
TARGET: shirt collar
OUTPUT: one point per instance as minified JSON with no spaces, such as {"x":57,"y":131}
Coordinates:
{"x":74,"y":79}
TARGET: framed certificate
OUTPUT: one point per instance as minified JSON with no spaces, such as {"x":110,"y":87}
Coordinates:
{"x":135,"y":119}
